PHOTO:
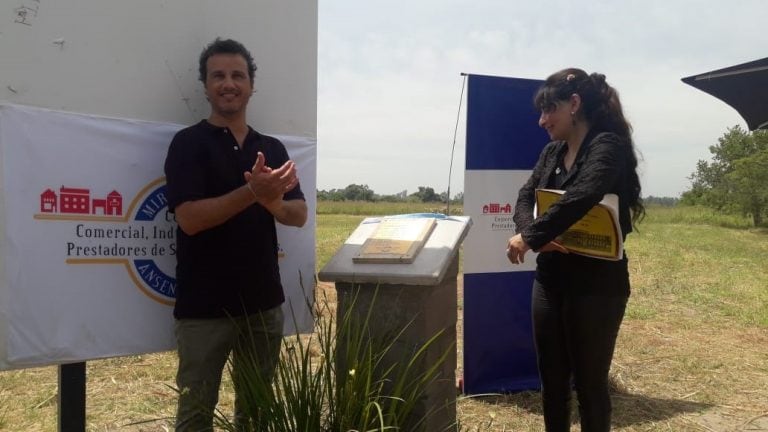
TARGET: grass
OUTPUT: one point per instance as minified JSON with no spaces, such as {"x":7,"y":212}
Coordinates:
{"x":696,"y":216}
{"x":692,"y":354}
{"x":704,"y":267}
{"x":331,"y":232}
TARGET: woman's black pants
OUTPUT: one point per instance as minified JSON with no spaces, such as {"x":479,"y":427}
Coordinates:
{"x":575,"y":336}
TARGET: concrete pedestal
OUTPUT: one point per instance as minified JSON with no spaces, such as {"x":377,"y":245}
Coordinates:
{"x":418,"y":299}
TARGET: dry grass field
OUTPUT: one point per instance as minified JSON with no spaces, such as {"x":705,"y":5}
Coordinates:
{"x":692,"y":354}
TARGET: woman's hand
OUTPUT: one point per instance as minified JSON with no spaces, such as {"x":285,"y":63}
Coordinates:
{"x":516,"y":249}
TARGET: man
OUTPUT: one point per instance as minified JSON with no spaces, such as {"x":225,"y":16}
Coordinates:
{"x":227,"y":184}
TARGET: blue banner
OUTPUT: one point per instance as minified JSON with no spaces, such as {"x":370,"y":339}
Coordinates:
{"x":503,"y":144}
{"x":503,"y":130}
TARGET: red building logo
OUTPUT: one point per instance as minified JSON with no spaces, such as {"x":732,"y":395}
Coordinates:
{"x":78,"y":201}
{"x":48,"y":202}
{"x":496,"y":208}
{"x":112,"y":206}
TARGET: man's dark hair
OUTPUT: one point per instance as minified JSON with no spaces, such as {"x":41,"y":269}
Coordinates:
{"x":227,"y":46}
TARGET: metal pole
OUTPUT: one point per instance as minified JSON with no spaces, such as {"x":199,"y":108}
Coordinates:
{"x":72,"y":397}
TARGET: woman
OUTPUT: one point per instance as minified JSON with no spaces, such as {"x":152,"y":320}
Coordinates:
{"x":578,"y":302}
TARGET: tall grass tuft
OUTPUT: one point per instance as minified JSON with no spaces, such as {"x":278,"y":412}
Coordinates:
{"x":338,"y":378}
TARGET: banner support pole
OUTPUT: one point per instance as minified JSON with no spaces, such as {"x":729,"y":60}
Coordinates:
{"x":72,"y":397}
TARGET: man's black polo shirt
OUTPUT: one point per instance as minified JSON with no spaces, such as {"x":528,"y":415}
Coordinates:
{"x":230,"y":269}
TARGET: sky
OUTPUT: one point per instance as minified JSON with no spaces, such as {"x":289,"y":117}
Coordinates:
{"x":389,"y":78}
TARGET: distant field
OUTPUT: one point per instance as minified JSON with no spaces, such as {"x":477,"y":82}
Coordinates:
{"x":692,"y":354}
{"x":383,"y":208}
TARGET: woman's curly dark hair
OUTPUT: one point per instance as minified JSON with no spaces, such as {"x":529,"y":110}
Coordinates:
{"x":601,"y":108}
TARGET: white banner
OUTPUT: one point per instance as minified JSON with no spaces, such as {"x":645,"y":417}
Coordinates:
{"x":88,"y":245}
{"x":489,"y":198}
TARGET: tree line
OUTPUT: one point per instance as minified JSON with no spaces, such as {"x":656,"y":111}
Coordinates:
{"x":735,"y":180}
{"x":361,"y":192}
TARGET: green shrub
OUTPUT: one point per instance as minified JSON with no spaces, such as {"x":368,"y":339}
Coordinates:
{"x":336,"y":379}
